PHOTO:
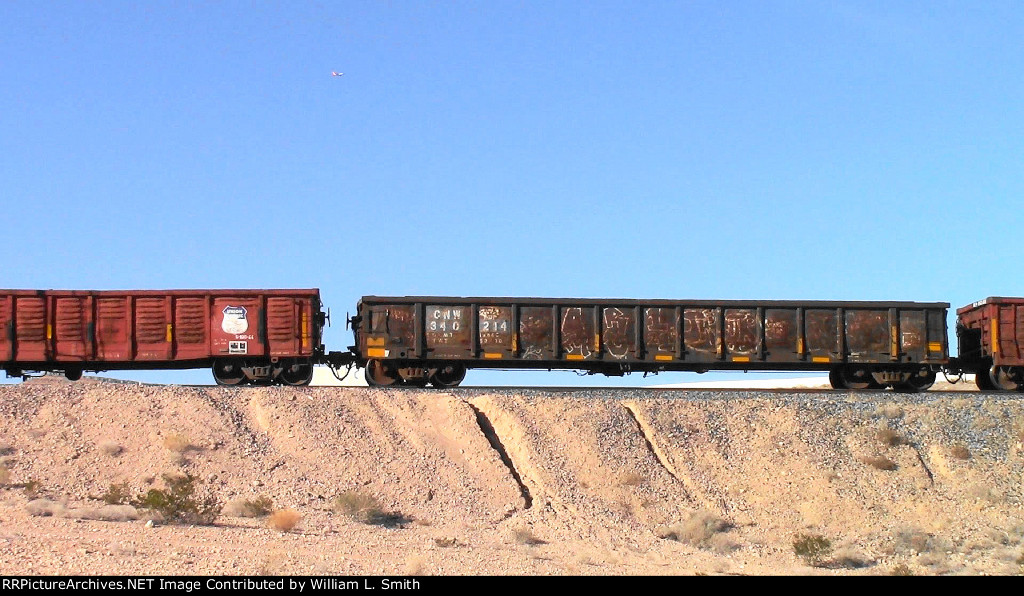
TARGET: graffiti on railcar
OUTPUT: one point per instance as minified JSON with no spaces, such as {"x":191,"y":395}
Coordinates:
{"x":619,"y":335}
{"x":700,"y":329}
{"x":742,"y":331}
{"x":661,"y":330}
{"x":578,"y":332}
{"x":535,"y":329}
{"x":399,"y":322}
{"x":495,"y":325}
{"x":780,"y":332}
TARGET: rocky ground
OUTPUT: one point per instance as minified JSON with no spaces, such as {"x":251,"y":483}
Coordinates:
{"x":511,"y":481}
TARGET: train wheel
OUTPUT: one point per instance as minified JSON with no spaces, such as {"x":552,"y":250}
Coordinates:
{"x":1004,"y":378}
{"x":449,"y":375}
{"x":917,"y":383}
{"x":857,"y":379}
{"x":227,"y":372}
{"x":983,"y":380}
{"x":73,"y":374}
{"x":836,"y":379}
{"x":380,"y":374}
{"x":297,"y":374}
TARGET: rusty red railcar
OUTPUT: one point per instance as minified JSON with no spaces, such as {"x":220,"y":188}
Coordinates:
{"x":990,"y":334}
{"x":242,"y":335}
{"x":432,"y":339}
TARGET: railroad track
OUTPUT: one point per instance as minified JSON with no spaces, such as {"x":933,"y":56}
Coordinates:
{"x":658,"y":390}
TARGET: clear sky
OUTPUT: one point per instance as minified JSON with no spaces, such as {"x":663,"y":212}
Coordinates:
{"x":721,"y":149}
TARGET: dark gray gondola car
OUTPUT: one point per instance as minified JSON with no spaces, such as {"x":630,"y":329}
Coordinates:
{"x":431,"y":339}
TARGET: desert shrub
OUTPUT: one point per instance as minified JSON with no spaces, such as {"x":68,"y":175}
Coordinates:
{"x":6,"y":449}
{"x":114,"y":513}
{"x":117,"y":494}
{"x":889,"y":437}
{"x":960,"y":451}
{"x":357,"y":505}
{"x":258,"y":507}
{"x":880,"y":462}
{"x":366,"y":509}
{"x":901,"y":569}
{"x":812,"y":548}
{"x":915,"y":541}
{"x":44,"y":507}
{"x":32,"y":488}
{"x":446,"y":542}
{"x":851,"y":558}
{"x":986,"y":493}
{"x":5,"y":476}
{"x":283,"y":520}
{"x":697,"y":530}
{"x":527,"y":537}
{"x":179,"y":502}
{"x":177,"y":443}
{"x":889,"y":411}
{"x":110,"y":448}
{"x":632,"y":479}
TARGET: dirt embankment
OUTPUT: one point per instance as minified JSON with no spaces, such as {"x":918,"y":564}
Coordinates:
{"x":473,"y":482}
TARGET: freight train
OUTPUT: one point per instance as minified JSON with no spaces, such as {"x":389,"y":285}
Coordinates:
{"x":275,"y":337}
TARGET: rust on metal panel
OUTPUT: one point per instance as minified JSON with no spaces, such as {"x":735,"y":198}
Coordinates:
{"x":661,"y":331}
{"x":448,"y":328}
{"x":780,"y":333}
{"x":1009,"y":334}
{"x":820,"y":332}
{"x":30,"y":328}
{"x":495,"y":327}
{"x":400,"y":325}
{"x":6,"y":328}
{"x":742,"y":331}
{"x":70,"y":337}
{"x":578,"y":332}
{"x":912,"y":331}
{"x":867,"y":334}
{"x":113,"y":329}
{"x":31,"y":318}
{"x":535,"y":327}
{"x":1017,"y":328}
{"x":619,"y":332}
{"x":190,"y":317}
{"x":700,"y":331}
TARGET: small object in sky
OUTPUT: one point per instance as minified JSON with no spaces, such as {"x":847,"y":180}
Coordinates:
{"x":336,"y":74}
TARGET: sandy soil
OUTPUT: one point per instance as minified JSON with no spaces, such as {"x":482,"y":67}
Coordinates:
{"x":514,"y":482}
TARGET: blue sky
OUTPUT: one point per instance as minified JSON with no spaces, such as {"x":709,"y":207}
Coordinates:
{"x":735,"y":150}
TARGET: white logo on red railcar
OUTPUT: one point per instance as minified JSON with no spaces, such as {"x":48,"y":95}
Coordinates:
{"x":234,"y":320}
